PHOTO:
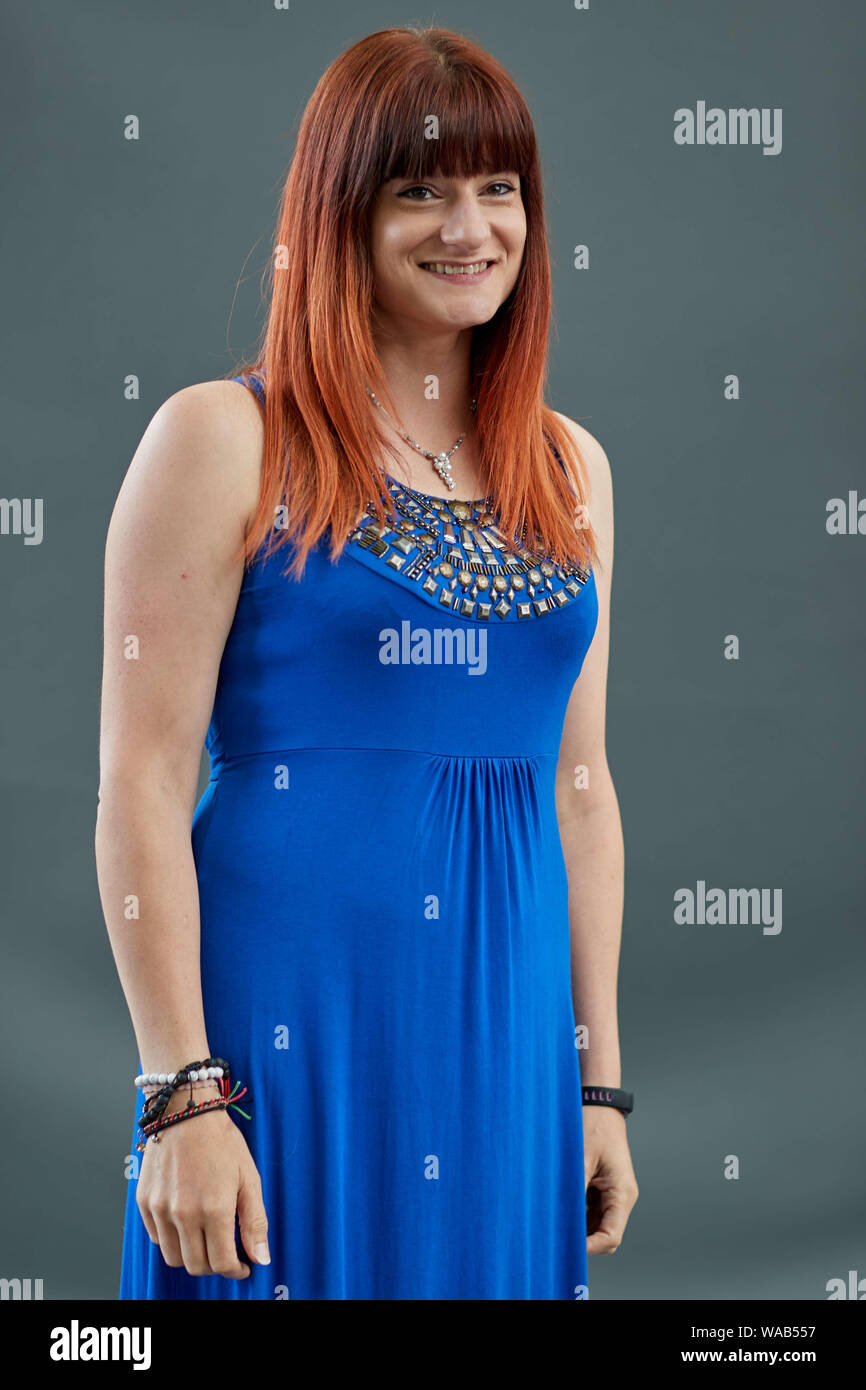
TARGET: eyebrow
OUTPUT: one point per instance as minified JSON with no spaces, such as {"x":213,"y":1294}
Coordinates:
{"x":448,"y":178}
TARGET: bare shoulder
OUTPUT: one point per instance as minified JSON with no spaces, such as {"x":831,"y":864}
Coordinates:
{"x":592,"y":453}
{"x":201,"y":453}
{"x":598,"y":472}
{"x":213,"y":425}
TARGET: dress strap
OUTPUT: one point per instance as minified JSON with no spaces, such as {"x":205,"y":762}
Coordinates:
{"x":250,"y":380}
{"x":559,"y":459}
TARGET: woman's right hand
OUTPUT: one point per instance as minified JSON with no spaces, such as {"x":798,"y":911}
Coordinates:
{"x":192,"y":1185}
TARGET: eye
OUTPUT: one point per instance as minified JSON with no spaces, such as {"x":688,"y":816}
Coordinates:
{"x":409,"y":194}
{"x":416,"y":188}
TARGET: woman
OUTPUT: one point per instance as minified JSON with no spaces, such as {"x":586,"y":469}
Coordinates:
{"x":395,"y":912}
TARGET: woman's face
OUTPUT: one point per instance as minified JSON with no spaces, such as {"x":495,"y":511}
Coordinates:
{"x":422,"y":232}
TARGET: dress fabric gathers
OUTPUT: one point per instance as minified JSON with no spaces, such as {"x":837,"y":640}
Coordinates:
{"x":385,"y":952}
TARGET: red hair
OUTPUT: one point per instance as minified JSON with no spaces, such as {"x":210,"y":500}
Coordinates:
{"x":364,"y":125}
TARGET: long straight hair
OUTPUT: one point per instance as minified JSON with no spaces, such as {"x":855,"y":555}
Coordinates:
{"x":366,"y":123}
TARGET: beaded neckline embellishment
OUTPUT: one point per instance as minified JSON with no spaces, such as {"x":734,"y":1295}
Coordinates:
{"x":457,"y":555}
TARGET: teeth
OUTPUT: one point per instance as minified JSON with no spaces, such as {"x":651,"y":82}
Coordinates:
{"x":474,"y":269}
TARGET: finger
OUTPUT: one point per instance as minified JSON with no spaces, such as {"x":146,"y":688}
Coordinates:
{"x":219,"y":1234}
{"x":193,"y":1249}
{"x":149,"y":1223}
{"x":600,"y":1243}
{"x":610,"y":1226}
{"x":253,"y":1220}
{"x":169,"y":1244}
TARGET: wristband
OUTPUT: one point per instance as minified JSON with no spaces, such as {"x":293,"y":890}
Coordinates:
{"x":608,"y":1095}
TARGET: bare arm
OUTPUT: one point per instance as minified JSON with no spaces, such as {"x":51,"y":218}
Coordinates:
{"x":592,"y":841}
{"x":171,"y":588}
{"x":170,"y":595}
{"x":589,"y":818}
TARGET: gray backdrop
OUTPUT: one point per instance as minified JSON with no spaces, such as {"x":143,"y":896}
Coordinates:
{"x":704,"y":261}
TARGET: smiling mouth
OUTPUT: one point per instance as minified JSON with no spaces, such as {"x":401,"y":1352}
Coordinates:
{"x":460,"y":270}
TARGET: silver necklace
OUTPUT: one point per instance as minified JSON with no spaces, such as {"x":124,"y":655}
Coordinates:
{"x":441,"y":462}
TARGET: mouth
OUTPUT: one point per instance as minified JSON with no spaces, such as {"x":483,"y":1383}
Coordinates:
{"x":459,"y":272}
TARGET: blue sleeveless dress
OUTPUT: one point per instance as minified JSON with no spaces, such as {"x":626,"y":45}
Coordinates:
{"x":385,"y":947}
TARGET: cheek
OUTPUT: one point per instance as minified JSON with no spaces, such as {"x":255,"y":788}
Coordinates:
{"x":513,"y":234}
{"x":391,"y":254}
{"x":516,"y":253}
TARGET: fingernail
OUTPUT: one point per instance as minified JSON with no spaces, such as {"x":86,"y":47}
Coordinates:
{"x":261,"y":1253}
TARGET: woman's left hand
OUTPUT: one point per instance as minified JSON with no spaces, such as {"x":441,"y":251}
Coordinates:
{"x":611,"y":1187}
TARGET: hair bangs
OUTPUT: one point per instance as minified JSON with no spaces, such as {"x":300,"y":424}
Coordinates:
{"x":457,"y":123}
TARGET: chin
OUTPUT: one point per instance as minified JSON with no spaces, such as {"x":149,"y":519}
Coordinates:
{"x":469,"y":315}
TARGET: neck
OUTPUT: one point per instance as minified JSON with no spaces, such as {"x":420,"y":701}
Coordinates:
{"x":428,"y":378}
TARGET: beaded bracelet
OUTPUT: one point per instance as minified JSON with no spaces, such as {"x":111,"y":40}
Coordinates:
{"x":201,"y":1072}
{"x":152,"y":1088}
{"x":155,"y":1105}
{"x":152,"y":1129}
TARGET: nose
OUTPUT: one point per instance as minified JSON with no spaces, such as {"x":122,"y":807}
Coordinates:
{"x":464,"y":225}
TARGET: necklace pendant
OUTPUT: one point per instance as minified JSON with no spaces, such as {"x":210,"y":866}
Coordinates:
{"x":441,"y":462}
{"x":442,"y":465}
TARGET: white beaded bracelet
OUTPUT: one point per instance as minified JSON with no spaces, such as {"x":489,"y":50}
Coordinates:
{"x":163,"y":1078}
{"x":153,"y":1089}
